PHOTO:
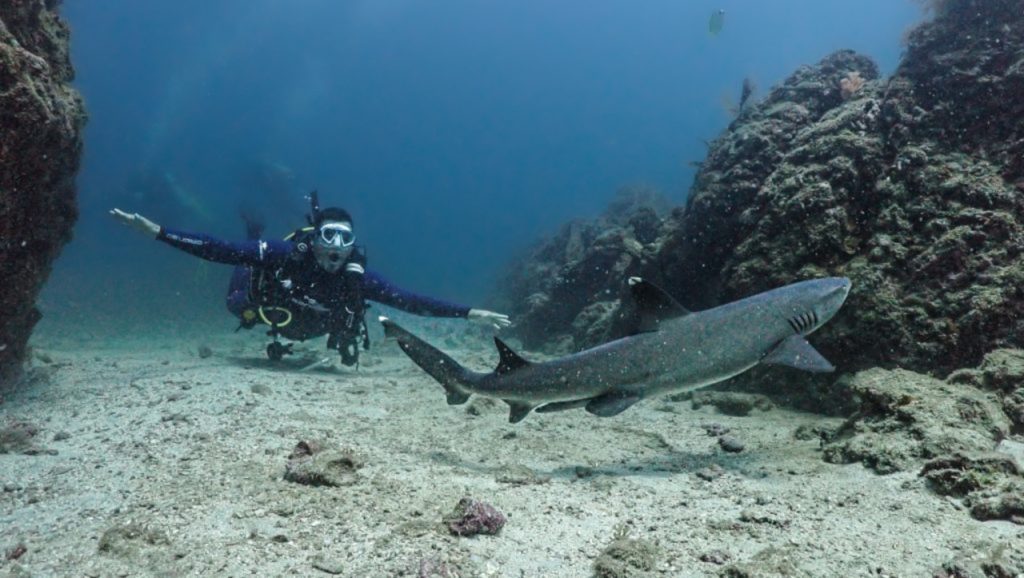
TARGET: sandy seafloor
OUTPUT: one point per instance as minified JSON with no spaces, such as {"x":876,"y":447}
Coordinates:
{"x":193,"y":450}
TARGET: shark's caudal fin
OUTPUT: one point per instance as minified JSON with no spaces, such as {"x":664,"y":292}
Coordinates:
{"x":444,"y":369}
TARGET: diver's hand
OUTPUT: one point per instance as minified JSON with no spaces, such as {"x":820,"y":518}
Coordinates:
{"x":136,"y":221}
{"x":485,"y":317}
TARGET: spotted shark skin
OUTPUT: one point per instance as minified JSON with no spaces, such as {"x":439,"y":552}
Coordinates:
{"x":670,"y":350}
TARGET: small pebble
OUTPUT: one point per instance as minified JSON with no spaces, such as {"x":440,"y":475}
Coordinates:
{"x":715,"y":557}
{"x":712,"y":472}
{"x":730,"y":444}
{"x":328,"y":565}
{"x":715,"y":429}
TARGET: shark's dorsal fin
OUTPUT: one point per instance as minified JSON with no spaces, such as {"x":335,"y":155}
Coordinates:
{"x":517,"y":410}
{"x":797,"y":353}
{"x":653,"y":305}
{"x":509,"y":360}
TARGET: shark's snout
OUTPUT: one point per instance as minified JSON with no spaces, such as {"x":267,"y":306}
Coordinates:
{"x":838,"y":287}
{"x":833,"y":293}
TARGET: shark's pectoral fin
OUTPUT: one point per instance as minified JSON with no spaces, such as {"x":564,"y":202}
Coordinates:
{"x":796,"y":352}
{"x":517,"y":410}
{"x":563,"y":405}
{"x":611,"y":404}
{"x":653,"y":305}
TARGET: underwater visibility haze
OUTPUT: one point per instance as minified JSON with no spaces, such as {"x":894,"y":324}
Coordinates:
{"x":471,"y":288}
{"x":455,"y":133}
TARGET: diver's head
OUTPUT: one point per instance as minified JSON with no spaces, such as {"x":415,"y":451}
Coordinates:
{"x":334,"y":239}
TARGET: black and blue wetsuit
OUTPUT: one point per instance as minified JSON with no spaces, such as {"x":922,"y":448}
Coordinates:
{"x":284,"y":274}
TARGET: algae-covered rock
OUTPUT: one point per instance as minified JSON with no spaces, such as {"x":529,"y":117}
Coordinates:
{"x":313,"y":464}
{"x":769,"y":562}
{"x":1001,"y":371}
{"x":961,"y":475}
{"x":906,"y":418}
{"x":986,"y":561}
{"x":731,"y":403}
{"x":130,"y":540}
{"x":41,"y":120}
{"x":627,"y":557}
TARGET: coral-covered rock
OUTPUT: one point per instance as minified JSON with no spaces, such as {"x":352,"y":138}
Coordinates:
{"x":891,"y":182}
{"x":471,"y":517}
{"x":1002,"y":371}
{"x":571,"y":284}
{"x":41,"y":119}
{"x":906,"y":418}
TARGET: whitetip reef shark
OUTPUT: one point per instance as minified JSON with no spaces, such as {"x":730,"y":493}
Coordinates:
{"x":670,"y":350}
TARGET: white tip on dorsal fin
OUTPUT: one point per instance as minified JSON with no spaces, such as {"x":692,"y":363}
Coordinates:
{"x":653,"y":304}
{"x":509,"y":360}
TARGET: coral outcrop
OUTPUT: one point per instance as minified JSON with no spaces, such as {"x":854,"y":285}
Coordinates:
{"x":911,"y":186}
{"x":566,"y":292}
{"x":956,"y":433}
{"x":41,"y":120}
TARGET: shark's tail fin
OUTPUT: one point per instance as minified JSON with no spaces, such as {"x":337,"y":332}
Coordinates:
{"x":444,"y":369}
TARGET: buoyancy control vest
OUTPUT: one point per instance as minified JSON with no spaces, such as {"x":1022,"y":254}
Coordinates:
{"x":300,"y":300}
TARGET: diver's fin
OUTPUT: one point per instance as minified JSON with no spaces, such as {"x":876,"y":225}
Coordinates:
{"x":510,"y":360}
{"x":517,"y":410}
{"x":611,"y":404}
{"x":563,"y":405}
{"x":797,"y":353}
{"x":444,"y":369}
{"x":653,"y":304}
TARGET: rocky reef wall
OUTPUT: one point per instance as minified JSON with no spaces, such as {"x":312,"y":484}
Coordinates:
{"x":41,"y":120}
{"x":912,"y":186}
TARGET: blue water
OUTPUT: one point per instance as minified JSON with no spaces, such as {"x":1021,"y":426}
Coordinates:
{"x":456,"y":132}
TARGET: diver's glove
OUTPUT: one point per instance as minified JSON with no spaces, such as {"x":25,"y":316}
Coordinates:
{"x":485,"y":317}
{"x":136,"y":221}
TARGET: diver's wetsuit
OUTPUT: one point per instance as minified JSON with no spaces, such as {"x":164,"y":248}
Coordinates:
{"x":320,"y":302}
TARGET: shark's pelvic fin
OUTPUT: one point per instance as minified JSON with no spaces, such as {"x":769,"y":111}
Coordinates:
{"x":509,"y":360}
{"x":611,"y":404}
{"x":653,"y":305}
{"x":517,"y":410}
{"x":796,"y":352}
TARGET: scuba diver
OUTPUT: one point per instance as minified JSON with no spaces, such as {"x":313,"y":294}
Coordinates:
{"x":312,"y":283}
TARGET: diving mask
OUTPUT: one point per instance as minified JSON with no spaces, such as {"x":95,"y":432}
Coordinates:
{"x":336,"y":235}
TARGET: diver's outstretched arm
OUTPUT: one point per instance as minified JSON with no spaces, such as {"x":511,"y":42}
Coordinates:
{"x":137,"y":221}
{"x":379,"y":289}
{"x":485,"y":317}
{"x":252,"y":252}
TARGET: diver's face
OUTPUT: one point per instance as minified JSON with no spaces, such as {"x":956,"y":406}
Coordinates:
{"x":333,"y":245}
